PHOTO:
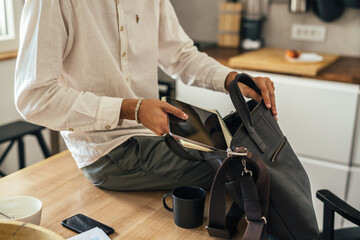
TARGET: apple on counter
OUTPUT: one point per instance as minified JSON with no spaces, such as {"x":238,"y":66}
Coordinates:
{"x":292,"y":53}
{"x":296,"y":56}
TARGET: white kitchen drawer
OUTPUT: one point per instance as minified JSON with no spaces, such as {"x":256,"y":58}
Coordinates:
{"x":329,"y":176}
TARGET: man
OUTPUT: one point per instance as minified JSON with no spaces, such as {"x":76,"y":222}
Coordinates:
{"x":89,"y":69}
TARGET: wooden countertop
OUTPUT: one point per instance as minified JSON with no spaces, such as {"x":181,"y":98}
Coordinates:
{"x":64,"y":191}
{"x":345,"y":69}
{"x":8,"y":55}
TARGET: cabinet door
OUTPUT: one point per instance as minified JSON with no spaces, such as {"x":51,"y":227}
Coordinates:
{"x":356,"y":146}
{"x":317,"y":116}
{"x":329,"y":176}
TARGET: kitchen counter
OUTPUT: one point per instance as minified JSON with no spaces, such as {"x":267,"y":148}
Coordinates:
{"x":344,"y":69}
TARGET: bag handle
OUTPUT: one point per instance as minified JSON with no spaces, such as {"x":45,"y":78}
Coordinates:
{"x":243,"y":110}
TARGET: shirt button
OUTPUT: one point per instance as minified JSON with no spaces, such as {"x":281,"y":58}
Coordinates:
{"x":124,"y":54}
{"x":71,"y":129}
{"x":127,"y":79}
{"x":122,"y":28}
{"x":107,"y":127}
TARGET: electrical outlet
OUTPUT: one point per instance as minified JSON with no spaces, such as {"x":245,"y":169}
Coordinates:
{"x":311,"y":33}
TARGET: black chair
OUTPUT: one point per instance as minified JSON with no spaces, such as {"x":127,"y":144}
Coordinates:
{"x":334,"y":204}
{"x":15,"y":132}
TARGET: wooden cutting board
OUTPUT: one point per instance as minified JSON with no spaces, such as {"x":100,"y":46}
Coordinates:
{"x":273,"y":60}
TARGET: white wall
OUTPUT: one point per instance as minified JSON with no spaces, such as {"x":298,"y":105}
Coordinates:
{"x":199,"y":19}
{"x":342,"y":37}
{"x":8,"y":111}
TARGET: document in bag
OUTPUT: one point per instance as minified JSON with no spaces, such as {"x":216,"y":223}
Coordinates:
{"x":204,"y":129}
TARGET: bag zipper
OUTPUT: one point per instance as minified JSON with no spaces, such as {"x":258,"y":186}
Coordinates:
{"x":279,"y":149}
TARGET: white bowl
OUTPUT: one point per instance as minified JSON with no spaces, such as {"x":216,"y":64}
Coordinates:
{"x":22,"y":208}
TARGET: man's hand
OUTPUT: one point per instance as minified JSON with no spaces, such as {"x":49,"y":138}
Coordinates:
{"x":266,"y":87}
{"x":152,"y":114}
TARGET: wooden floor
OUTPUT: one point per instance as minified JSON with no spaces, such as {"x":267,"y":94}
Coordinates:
{"x":64,"y":192}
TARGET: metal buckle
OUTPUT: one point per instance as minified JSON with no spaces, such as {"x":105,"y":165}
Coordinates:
{"x":245,"y":170}
{"x":231,"y":153}
{"x":263,"y":218}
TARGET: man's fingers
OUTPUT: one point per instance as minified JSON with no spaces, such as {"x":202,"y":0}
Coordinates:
{"x":267,"y":89}
{"x":249,"y":92}
{"x":271,"y":88}
{"x":267,"y":93}
{"x":175,"y":111}
{"x":254,"y":95}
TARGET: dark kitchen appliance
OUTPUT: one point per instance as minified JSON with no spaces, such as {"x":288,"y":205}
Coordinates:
{"x":352,"y":3}
{"x":255,"y":12}
{"x":328,"y":10}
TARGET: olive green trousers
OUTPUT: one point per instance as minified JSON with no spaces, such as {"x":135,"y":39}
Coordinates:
{"x":144,"y":163}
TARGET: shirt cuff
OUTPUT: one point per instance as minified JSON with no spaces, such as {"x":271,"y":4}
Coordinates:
{"x":220,"y":78}
{"x":109,"y":113}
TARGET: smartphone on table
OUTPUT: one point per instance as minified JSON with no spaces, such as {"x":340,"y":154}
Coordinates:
{"x":80,"y":223}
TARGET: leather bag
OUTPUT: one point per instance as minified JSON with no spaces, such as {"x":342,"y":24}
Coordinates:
{"x":261,"y":173}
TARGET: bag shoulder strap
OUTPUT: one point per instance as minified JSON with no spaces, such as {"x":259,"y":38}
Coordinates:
{"x":255,"y":199}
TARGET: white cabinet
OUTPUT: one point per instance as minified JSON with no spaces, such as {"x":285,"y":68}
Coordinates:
{"x":356,"y":155}
{"x":317,"y":116}
{"x":323,"y":175}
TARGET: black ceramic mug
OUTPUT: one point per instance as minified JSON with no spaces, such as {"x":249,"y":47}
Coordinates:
{"x":188,"y":206}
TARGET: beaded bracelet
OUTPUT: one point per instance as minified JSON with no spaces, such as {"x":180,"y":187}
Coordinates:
{"x":137,"y":110}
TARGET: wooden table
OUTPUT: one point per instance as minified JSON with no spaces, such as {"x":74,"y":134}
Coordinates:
{"x":64,"y":191}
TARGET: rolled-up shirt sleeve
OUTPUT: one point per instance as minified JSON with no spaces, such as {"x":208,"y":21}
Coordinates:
{"x":46,"y":36}
{"x":179,"y":58}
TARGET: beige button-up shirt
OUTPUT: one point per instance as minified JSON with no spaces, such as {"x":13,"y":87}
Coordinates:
{"x":78,"y":60}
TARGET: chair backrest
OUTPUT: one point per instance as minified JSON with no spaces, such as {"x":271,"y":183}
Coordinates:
{"x":334,"y":204}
